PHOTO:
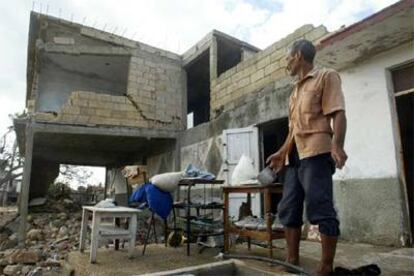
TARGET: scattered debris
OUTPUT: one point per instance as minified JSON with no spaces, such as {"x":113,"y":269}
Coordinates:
{"x":37,"y":201}
{"x":53,"y":231}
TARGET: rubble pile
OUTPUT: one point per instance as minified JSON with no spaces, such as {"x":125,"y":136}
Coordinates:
{"x":50,"y":237}
{"x":53,"y":229}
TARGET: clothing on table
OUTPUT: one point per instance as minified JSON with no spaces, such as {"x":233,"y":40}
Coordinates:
{"x":193,"y":171}
{"x":309,"y":181}
{"x":316,"y":96}
{"x":158,"y":201}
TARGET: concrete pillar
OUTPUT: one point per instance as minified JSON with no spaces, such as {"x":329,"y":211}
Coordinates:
{"x":25,"y":188}
{"x":213,"y":58}
{"x":177,"y":161}
{"x":106,"y":182}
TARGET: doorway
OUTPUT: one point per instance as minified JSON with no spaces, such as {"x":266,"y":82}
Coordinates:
{"x":272,"y":136}
{"x":198,"y":90}
{"x":403,"y":88}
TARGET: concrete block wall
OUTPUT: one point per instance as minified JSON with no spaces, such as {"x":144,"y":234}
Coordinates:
{"x":155,"y":81}
{"x":258,"y":71}
{"x":156,"y":87}
{"x":89,"y":108}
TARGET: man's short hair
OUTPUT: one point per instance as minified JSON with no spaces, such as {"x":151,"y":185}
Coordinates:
{"x":305,"y":47}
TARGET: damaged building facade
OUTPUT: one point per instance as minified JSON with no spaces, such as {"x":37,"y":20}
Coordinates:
{"x":95,"y":98}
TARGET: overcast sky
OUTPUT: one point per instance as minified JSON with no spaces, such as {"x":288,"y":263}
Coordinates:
{"x":173,"y":25}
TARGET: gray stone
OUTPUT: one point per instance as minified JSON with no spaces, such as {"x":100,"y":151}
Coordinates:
{"x":36,"y":272}
{"x":63,"y":216}
{"x":68,"y":201}
{"x":35,"y":235}
{"x":8,"y":244}
{"x":13,"y":237}
{"x":3,"y":237}
{"x":21,"y":256}
{"x":52,"y":263}
{"x":57,"y":223}
{"x":12,"y":269}
{"x":26,"y":269}
{"x":40,"y":221}
{"x":3,"y":261}
{"x":39,"y":201}
{"x":63,"y":231}
{"x":13,"y":226}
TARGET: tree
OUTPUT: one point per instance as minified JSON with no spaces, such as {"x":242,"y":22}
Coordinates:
{"x":11,"y":163}
{"x":79,"y":175}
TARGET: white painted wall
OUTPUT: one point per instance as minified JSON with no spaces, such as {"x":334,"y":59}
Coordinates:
{"x":369,"y":140}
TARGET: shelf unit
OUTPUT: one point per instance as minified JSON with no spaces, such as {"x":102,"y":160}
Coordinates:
{"x":189,"y":183}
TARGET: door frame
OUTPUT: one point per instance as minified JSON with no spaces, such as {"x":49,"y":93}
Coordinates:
{"x":406,"y":221}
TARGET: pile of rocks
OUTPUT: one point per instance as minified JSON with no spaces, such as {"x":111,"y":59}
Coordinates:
{"x":50,"y":237}
{"x":53,"y":231}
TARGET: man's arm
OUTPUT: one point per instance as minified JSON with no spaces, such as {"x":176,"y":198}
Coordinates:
{"x":339,"y":130}
{"x":277,"y":160}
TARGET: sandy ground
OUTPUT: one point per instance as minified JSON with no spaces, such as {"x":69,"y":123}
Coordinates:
{"x":159,"y":258}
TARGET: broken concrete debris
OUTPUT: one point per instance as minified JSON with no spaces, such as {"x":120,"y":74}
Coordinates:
{"x":52,"y":232}
{"x":50,"y":237}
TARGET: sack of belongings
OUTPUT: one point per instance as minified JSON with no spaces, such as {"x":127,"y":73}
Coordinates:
{"x":244,"y":172}
{"x":167,"y":182}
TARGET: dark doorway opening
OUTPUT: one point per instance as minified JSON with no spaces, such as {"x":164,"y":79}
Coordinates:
{"x":198,"y":89}
{"x":272,"y":136}
{"x":403,"y":83}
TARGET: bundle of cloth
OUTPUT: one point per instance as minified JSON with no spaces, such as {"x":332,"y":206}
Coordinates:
{"x":156,"y":194}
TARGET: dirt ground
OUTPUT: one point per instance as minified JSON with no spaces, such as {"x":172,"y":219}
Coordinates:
{"x":392,"y":261}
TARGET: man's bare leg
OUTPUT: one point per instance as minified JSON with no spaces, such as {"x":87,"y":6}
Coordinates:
{"x":292,"y":236}
{"x":328,"y":254}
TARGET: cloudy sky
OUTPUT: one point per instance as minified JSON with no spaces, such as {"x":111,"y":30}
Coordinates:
{"x":174,"y":25}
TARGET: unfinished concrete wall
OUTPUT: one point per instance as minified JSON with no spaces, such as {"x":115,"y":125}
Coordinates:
{"x":161,"y":163}
{"x":259,"y":70}
{"x":90,"y":77}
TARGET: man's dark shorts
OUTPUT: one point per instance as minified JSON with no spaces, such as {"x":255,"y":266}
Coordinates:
{"x":309,"y":180}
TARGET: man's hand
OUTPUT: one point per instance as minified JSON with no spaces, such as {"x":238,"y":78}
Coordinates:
{"x":276,"y":161}
{"x":339,"y":156}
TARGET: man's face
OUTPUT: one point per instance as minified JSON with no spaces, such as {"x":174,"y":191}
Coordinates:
{"x":292,"y":63}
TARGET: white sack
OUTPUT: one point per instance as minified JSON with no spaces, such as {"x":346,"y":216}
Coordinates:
{"x":244,"y":172}
{"x":167,"y":182}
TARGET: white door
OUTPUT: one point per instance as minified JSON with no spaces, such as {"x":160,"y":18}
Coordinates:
{"x":237,"y":142}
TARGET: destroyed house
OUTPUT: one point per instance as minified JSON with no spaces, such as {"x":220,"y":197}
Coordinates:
{"x":95,"y":98}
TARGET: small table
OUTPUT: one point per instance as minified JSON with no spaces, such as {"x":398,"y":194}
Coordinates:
{"x":269,"y":235}
{"x":105,"y":230}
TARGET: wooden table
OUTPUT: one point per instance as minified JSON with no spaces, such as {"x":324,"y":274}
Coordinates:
{"x":190,"y":182}
{"x":106,"y":230}
{"x":267,"y":235}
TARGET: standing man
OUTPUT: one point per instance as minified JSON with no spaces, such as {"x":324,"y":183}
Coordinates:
{"x":314,"y":146}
